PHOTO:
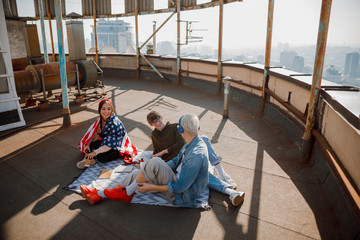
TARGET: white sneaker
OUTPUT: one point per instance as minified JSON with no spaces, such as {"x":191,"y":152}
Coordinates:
{"x":237,"y":198}
{"x":228,"y":180}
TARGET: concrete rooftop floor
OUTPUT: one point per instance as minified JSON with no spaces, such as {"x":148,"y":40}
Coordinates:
{"x":283,"y":199}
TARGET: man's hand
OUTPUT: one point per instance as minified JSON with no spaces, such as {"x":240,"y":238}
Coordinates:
{"x":144,"y":187}
{"x":160,"y":154}
{"x":87,"y":149}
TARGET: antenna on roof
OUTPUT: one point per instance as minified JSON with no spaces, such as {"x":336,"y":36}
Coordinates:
{"x":189,"y":30}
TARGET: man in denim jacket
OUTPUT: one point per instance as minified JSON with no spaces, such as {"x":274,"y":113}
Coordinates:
{"x":184,"y":178}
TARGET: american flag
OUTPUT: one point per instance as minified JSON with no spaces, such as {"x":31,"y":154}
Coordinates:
{"x":126,"y":150}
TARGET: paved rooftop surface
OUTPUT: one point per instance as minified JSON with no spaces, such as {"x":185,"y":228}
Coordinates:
{"x":283,"y":199}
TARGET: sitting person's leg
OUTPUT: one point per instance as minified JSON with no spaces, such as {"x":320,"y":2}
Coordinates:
{"x":235,"y":197}
{"x":85,"y":163}
{"x":155,"y":171}
{"x":158,"y":172}
{"x":108,"y":156}
{"x":215,"y":161}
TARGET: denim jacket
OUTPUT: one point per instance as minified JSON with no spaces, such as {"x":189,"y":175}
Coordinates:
{"x":194,"y":175}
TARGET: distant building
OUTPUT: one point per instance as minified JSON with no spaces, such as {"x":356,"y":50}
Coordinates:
{"x":287,"y":58}
{"x":261,"y":59}
{"x":332,"y":74}
{"x":165,"y":47}
{"x":115,"y":33}
{"x":351,"y":65}
{"x":241,"y":58}
{"x":298,"y":64}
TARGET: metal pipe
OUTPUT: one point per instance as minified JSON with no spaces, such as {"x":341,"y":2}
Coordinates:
{"x":41,"y":13}
{"x":154,"y":38}
{"x":66,"y":109}
{"x":219,"y":64}
{"x":51,"y":35}
{"x":187,"y":33}
{"x":178,"y":63}
{"x":227,"y":80}
{"x":137,"y":41}
{"x":43,"y":83}
{"x":152,"y":66}
{"x":77,"y":78}
{"x":147,"y":40}
{"x":95,"y":34}
{"x":267,"y":55}
{"x":316,"y":81}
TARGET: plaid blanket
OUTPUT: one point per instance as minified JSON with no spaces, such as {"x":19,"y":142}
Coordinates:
{"x":90,"y":178}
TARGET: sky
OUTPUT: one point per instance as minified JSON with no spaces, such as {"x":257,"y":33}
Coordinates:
{"x":244,"y":24}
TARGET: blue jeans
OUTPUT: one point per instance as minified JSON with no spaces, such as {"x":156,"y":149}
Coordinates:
{"x":217,"y":184}
{"x":213,"y":158}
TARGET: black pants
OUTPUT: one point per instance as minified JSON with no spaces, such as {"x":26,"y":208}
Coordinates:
{"x":108,"y":156}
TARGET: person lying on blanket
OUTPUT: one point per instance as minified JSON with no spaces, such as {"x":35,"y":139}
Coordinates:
{"x":106,"y":139}
{"x":183,"y":178}
{"x":167,"y":143}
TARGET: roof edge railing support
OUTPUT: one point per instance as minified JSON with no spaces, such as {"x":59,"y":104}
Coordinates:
{"x":178,"y":44}
{"x":62,"y":63}
{"x":51,"y":33}
{"x":267,"y":56}
{"x":219,"y":64}
{"x":95,"y":33}
{"x":43,"y":35}
{"x":137,"y":40}
{"x":316,"y":81}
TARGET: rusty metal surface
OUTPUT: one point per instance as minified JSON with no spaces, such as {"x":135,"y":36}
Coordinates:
{"x":26,"y":81}
{"x":88,"y":74}
{"x":219,"y":65}
{"x":267,"y":54}
{"x":50,"y":28}
{"x":318,"y":67}
{"x":53,"y":69}
{"x":20,"y":63}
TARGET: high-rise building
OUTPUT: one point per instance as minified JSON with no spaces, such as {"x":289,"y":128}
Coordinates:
{"x":298,"y":64}
{"x":351,"y":65}
{"x":116,"y":33}
{"x":287,"y":58}
{"x":332,"y":74}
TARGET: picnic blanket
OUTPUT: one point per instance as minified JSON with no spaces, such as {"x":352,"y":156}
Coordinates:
{"x":90,"y":178}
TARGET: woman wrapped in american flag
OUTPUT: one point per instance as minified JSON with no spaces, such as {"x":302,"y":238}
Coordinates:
{"x":106,"y":139}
